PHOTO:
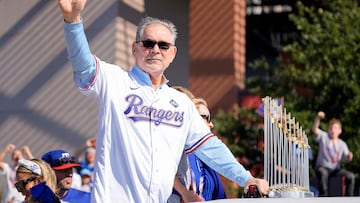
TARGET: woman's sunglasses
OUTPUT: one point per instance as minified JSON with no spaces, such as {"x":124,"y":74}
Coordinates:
{"x":149,"y":44}
{"x":21,"y":184}
{"x":206,"y":117}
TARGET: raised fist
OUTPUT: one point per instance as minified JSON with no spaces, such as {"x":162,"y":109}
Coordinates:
{"x":321,"y":115}
{"x":10,"y":147}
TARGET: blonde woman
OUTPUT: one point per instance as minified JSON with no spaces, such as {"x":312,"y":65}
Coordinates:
{"x":204,"y":183}
{"x":36,"y":181}
{"x":8,"y":170}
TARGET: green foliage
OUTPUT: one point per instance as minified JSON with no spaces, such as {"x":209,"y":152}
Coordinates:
{"x":321,"y":70}
{"x":242,"y":131}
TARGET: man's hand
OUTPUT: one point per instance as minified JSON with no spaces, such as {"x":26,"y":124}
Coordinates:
{"x":71,"y":9}
{"x":186,"y":194}
{"x":261,"y":184}
{"x":191,"y":196}
{"x":321,"y":115}
{"x":349,"y":157}
{"x":315,"y":128}
{"x":26,"y":151}
{"x":10,"y":147}
{"x":91,"y":142}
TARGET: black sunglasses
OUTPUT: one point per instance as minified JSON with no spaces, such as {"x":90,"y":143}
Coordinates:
{"x":63,"y":160}
{"x":21,"y":184}
{"x":206,"y":117}
{"x":149,"y":44}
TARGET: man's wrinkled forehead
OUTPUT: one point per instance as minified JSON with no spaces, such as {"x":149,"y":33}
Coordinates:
{"x":157,"y":32}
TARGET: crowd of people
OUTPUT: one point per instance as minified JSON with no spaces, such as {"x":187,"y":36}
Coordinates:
{"x":52,"y":178}
{"x":46,"y":180}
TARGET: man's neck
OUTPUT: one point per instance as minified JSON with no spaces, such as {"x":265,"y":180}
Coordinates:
{"x":156,"y":82}
{"x":62,"y":193}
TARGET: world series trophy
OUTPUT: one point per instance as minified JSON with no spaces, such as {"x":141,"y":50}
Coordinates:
{"x":286,"y":158}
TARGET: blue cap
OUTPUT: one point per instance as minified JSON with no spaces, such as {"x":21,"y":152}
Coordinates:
{"x":85,"y":172}
{"x":60,"y":159}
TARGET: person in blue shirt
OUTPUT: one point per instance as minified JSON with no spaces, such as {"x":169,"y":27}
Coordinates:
{"x":63,"y":163}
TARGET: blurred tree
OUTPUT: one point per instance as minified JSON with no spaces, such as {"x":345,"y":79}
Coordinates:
{"x":243,"y":133}
{"x":321,"y":70}
{"x":241,"y":130}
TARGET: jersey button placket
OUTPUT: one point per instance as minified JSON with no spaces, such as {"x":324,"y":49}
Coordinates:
{"x":154,"y":143}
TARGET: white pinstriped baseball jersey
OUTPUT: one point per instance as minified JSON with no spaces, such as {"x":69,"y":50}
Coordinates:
{"x":142,"y":134}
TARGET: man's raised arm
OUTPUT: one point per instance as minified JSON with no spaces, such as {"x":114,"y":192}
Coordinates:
{"x":315,"y":128}
{"x":78,"y":50}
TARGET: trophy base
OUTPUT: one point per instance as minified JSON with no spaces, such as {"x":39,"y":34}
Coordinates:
{"x":290,"y":194}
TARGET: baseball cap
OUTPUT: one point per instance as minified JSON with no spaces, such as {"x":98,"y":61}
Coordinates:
{"x":60,"y":159}
{"x":31,"y":166}
{"x":85,"y":172}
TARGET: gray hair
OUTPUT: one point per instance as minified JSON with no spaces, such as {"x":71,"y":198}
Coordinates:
{"x":150,"y":20}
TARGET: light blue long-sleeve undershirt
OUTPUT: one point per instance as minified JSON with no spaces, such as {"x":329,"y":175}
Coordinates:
{"x":83,"y":62}
{"x":213,"y":152}
{"x":216,"y":155}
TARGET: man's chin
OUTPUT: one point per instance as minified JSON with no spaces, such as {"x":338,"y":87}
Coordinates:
{"x":65,"y":185}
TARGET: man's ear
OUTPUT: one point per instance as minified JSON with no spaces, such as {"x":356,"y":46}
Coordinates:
{"x":174,"y":50}
{"x":133,"y":48}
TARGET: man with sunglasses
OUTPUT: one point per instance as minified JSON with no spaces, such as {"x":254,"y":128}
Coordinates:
{"x":143,"y":123}
{"x":63,"y":163}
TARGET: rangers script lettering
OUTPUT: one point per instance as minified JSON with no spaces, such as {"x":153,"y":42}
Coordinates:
{"x":146,"y":113}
